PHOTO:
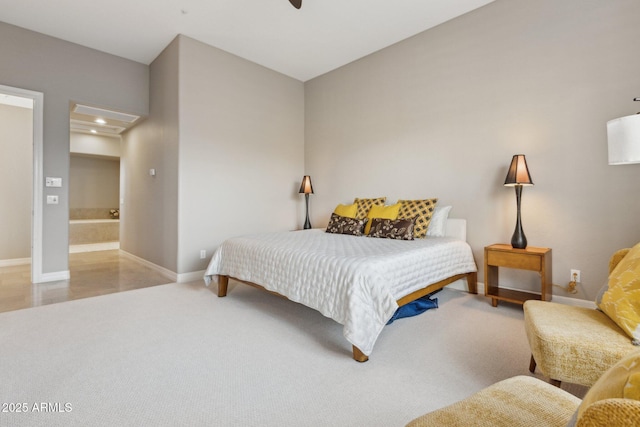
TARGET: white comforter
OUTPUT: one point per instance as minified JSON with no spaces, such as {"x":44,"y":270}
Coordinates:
{"x":353,"y":280}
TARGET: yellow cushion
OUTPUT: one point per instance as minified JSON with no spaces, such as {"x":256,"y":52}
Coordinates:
{"x":567,"y":341}
{"x":365,"y":204}
{"x":620,"y":381}
{"x":422,"y":209}
{"x":517,"y":401}
{"x":348,"y":211}
{"x":384,"y":212}
{"x":621,"y":299}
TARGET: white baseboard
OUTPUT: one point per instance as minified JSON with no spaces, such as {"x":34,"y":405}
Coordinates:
{"x":93,"y":247}
{"x":461,"y":285}
{"x":55,"y":276}
{"x":191,"y":277}
{"x":175,"y":277}
{"x":14,"y":261}
{"x":164,"y":271}
{"x":574,"y":301}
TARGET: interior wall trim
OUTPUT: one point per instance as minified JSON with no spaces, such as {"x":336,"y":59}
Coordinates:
{"x":55,"y":276}
{"x":191,"y":276}
{"x":164,"y":271}
{"x":37,"y":254}
{"x":461,"y":285}
{"x":14,"y":261}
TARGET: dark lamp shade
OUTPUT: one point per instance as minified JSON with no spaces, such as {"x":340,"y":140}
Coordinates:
{"x":518,"y":173}
{"x":306,"y":186}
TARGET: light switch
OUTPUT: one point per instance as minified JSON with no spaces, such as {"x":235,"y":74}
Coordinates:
{"x":152,"y":172}
{"x":51,"y":181}
{"x":52,"y":200}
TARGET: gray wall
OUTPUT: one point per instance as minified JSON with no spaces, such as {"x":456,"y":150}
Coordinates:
{"x":226,"y":137}
{"x":16,"y":158}
{"x":149,"y":216}
{"x":64,"y":72}
{"x":442,"y":113}
{"x":241,"y":150}
{"x":95,"y":144}
{"x":93,"y":182}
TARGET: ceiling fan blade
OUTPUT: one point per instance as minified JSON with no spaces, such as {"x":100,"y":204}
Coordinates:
{"x":296,"y":3}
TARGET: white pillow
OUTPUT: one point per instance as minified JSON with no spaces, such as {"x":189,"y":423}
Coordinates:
{"x":438,"y":221}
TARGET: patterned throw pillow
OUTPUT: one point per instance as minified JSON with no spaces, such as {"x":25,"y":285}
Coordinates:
{"x":620,"y":299}
{"x":343,"y":225}
{"x":399,"y":229}
{"x":365,"y":204}
{"x":621,"y":381}
{"x":423,"y":209}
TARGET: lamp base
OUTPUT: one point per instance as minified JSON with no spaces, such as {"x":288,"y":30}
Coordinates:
{"x":518,"y":240}
{"x":307,"y":223}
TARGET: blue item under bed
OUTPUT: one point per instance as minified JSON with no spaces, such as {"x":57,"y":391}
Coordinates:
{"x":415,"y":307}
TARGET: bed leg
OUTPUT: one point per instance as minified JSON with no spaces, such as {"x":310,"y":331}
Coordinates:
{"x":359,"y":356}
{"x":472,"y":282}
{"x":223,"y":283}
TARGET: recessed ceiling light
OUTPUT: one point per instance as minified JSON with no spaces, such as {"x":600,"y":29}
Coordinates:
{"x":94,"y":131}
{"x":101,"y":121}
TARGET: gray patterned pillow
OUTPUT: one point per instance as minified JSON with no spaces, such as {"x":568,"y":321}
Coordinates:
{"x":343,"y":225}
{"x":399,"y":229}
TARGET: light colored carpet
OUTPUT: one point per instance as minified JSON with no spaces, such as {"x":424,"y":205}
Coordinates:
{"x":178,"y":355}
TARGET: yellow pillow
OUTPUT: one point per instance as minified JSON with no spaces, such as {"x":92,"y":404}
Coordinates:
{"x":384,"y":212}
{"x":348,"y":211}
{"x":365,"y":204}
{"x":422,"y":209}
{"x":621,"y":300}
{"x":619,"y":382}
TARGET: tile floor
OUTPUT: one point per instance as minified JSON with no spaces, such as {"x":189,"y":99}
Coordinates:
{"x":92,"y":274}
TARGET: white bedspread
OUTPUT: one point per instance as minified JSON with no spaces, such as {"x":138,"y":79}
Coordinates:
{"x":353,"y":280}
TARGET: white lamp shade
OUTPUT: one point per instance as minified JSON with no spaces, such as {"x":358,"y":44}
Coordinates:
{"x":623,"y":135}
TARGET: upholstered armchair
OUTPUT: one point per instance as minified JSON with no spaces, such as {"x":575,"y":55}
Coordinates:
{"x":521,"y":401}
{"x":574,"y":344}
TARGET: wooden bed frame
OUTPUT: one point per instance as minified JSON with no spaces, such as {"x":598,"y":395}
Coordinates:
{"x":472,"y":281}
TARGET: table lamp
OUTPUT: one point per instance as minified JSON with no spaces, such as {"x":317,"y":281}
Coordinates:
{"x":307,"y":189}
{"x":518,"y":176}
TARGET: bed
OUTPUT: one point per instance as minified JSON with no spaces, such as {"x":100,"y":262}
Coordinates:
{"x":357,"y":281}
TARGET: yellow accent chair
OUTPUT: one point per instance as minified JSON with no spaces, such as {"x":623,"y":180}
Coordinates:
{"x":574,"y":344}
{"x":521,"y":401}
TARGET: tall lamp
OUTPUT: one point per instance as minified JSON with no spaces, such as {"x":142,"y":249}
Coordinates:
{"x":307,"y":189}
{"x":623,"y":136}
{"x":518,"y":176}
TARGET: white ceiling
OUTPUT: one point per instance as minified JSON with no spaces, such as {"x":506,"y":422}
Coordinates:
{"x":321,"y":36}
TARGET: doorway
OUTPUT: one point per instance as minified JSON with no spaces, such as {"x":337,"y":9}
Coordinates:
{"x":21,"y":144}
{"x":95,"y":177}
{"x":94,"y":193}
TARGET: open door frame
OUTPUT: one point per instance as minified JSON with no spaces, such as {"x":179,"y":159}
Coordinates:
{"x":38,"y":180}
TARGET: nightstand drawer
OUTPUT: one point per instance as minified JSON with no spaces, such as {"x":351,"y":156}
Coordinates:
{"x":514,"y":260}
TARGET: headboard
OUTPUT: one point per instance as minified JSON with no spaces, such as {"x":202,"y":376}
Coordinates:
{"x":456,"y":228}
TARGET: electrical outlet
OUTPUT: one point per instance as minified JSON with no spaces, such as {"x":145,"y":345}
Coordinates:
{"x":575,"y":276}
{"x":203,"y":254}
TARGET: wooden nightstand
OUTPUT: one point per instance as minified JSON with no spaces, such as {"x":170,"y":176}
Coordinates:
{"x":531,"y":258}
